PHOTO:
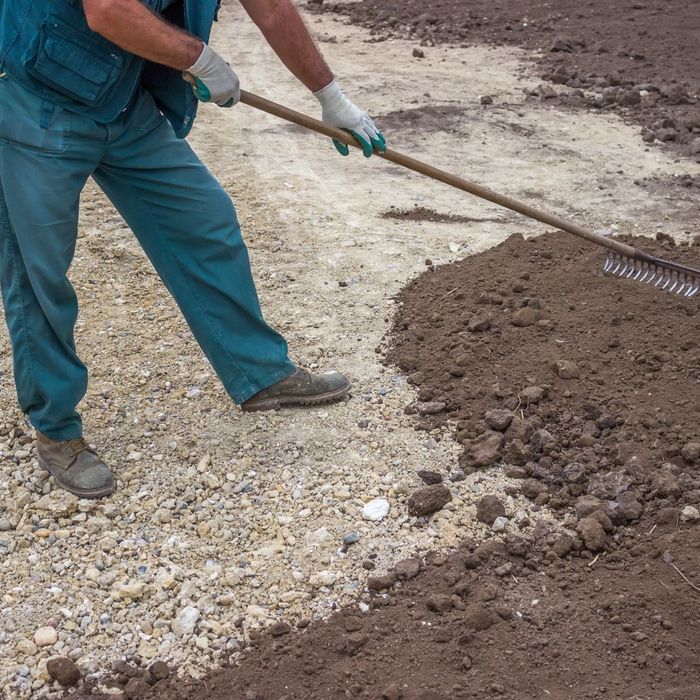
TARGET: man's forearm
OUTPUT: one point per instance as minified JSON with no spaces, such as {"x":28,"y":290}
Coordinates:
{"x":134,"y":28}
{"x":285,"y":31}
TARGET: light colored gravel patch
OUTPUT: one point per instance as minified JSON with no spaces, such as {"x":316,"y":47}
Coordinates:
{"x":224,"y":521}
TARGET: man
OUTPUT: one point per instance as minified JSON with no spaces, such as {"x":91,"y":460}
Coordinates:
{"x":95,"y":88}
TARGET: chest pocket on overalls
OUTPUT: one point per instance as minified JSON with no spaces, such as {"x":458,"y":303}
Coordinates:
{"x":79,"y":64}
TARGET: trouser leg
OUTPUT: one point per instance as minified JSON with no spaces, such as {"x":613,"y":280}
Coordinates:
{"x":39,"y":190}
{"x":187,"y":225}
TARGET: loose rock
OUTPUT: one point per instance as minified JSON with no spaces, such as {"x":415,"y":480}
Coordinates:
{"x":429,"y":478}
{"x":690,"y":514}
{"x":480,"y":321}
{"x":566,"y":369}
{"x":478,"y":617}
{"x":592,"y":533}
{"x":376,"y":510}
{"x":489,"y":508}
{"x":428,"y":500}
{"x":45,"y":636}
{"x":484,"y":450}
{"x":407,"y":568}
{"x":498,"y":419}
{"x":63,"y":670}
{"x":527,"y":316}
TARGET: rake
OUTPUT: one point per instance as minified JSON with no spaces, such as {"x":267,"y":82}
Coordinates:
{"x":622,"y":260}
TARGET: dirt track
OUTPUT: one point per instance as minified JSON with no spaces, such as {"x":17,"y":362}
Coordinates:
{"x":640,"y":60}
{"x":329,"y":264}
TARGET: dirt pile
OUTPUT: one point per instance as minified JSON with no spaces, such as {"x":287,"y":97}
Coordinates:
{"x":641,"y":59}
{"x":587,"y":387}
{"x":495,"y":621}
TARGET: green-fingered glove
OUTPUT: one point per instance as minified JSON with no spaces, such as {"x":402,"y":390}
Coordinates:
{"x":213,"y":80}
{"x":337,"y":110}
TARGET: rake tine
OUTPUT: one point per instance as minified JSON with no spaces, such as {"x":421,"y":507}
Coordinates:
{"x":666,"y":276}
{"x":643,"y":272}
{"x":608,"y":261}
{"x":649,"y":275}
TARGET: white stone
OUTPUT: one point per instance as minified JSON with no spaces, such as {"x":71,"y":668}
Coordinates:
{"x":377,"y":509}
{"x":258,"y":614}
{"x":92,"y":574}
{"x":690,"y":514}
{"x":322,"y":578}
{"x":186,"y":621}
{"x":499,"y":524}
{"x":45,"y":637}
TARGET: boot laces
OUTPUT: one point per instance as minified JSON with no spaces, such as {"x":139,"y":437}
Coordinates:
{"x":75,"y":446}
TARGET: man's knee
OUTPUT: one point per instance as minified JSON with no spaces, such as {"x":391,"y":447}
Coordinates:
{"x":221,"y":216}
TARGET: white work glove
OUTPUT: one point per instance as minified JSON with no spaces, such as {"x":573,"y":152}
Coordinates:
{"x":213,"y":80}
{"x":337,"y":110}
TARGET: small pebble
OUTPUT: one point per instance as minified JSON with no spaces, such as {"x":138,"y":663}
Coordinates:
{"x":376,"y":510}
{"x":45,"y":637}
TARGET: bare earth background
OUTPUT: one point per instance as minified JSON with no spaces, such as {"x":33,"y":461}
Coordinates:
{"x":226,"y":523}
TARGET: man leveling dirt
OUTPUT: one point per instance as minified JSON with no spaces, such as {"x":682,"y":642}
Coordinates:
{"x":109,"y":89}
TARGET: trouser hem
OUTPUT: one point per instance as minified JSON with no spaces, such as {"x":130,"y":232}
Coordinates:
{"x":68,"y":433}
{"x":261,"y":385}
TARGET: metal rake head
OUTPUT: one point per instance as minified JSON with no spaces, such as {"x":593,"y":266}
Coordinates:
{"x":668,"y":276}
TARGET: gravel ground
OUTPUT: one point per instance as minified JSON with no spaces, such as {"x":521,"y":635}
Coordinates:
{"x":223,"y":521}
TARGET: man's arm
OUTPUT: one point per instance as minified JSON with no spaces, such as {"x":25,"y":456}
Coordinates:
{"x":285,"y":31}
{"x":134,"y":28}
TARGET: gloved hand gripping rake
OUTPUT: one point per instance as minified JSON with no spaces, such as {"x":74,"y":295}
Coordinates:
{"x":622,"y":260}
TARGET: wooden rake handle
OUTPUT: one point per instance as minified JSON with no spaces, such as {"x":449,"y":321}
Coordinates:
{"x":460,"y":183}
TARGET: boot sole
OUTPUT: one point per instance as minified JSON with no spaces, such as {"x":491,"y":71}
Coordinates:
{"x":273,"y":404}
{"x":80,"y":493}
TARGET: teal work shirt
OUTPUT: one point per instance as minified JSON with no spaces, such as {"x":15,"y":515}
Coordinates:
{"x":48,"y":48}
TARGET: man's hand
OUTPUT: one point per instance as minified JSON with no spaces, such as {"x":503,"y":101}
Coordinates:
{"x":337,"y":110}
{"x":213,"y":79}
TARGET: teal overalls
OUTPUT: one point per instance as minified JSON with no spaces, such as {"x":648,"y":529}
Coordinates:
{"x":72,"y":106}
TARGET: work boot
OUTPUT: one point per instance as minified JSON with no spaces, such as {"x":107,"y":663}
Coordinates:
{"x":75,"y":466}
{"x":300,"y":389}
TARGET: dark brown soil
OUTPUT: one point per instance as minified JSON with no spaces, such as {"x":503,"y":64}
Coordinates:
{"x":634,"y":351}
{"x":419,"y":213}
{"x":599,"y":54}
{"x":495,"y":622}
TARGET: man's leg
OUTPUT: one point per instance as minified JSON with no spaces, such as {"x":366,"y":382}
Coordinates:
{"x":187,"y":225}
{"x":41,"y":175}
{"x":39,"y":190}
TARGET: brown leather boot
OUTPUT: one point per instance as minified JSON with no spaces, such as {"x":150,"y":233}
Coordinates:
{"x":300,"y":389}
{"x":75,"y":466}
